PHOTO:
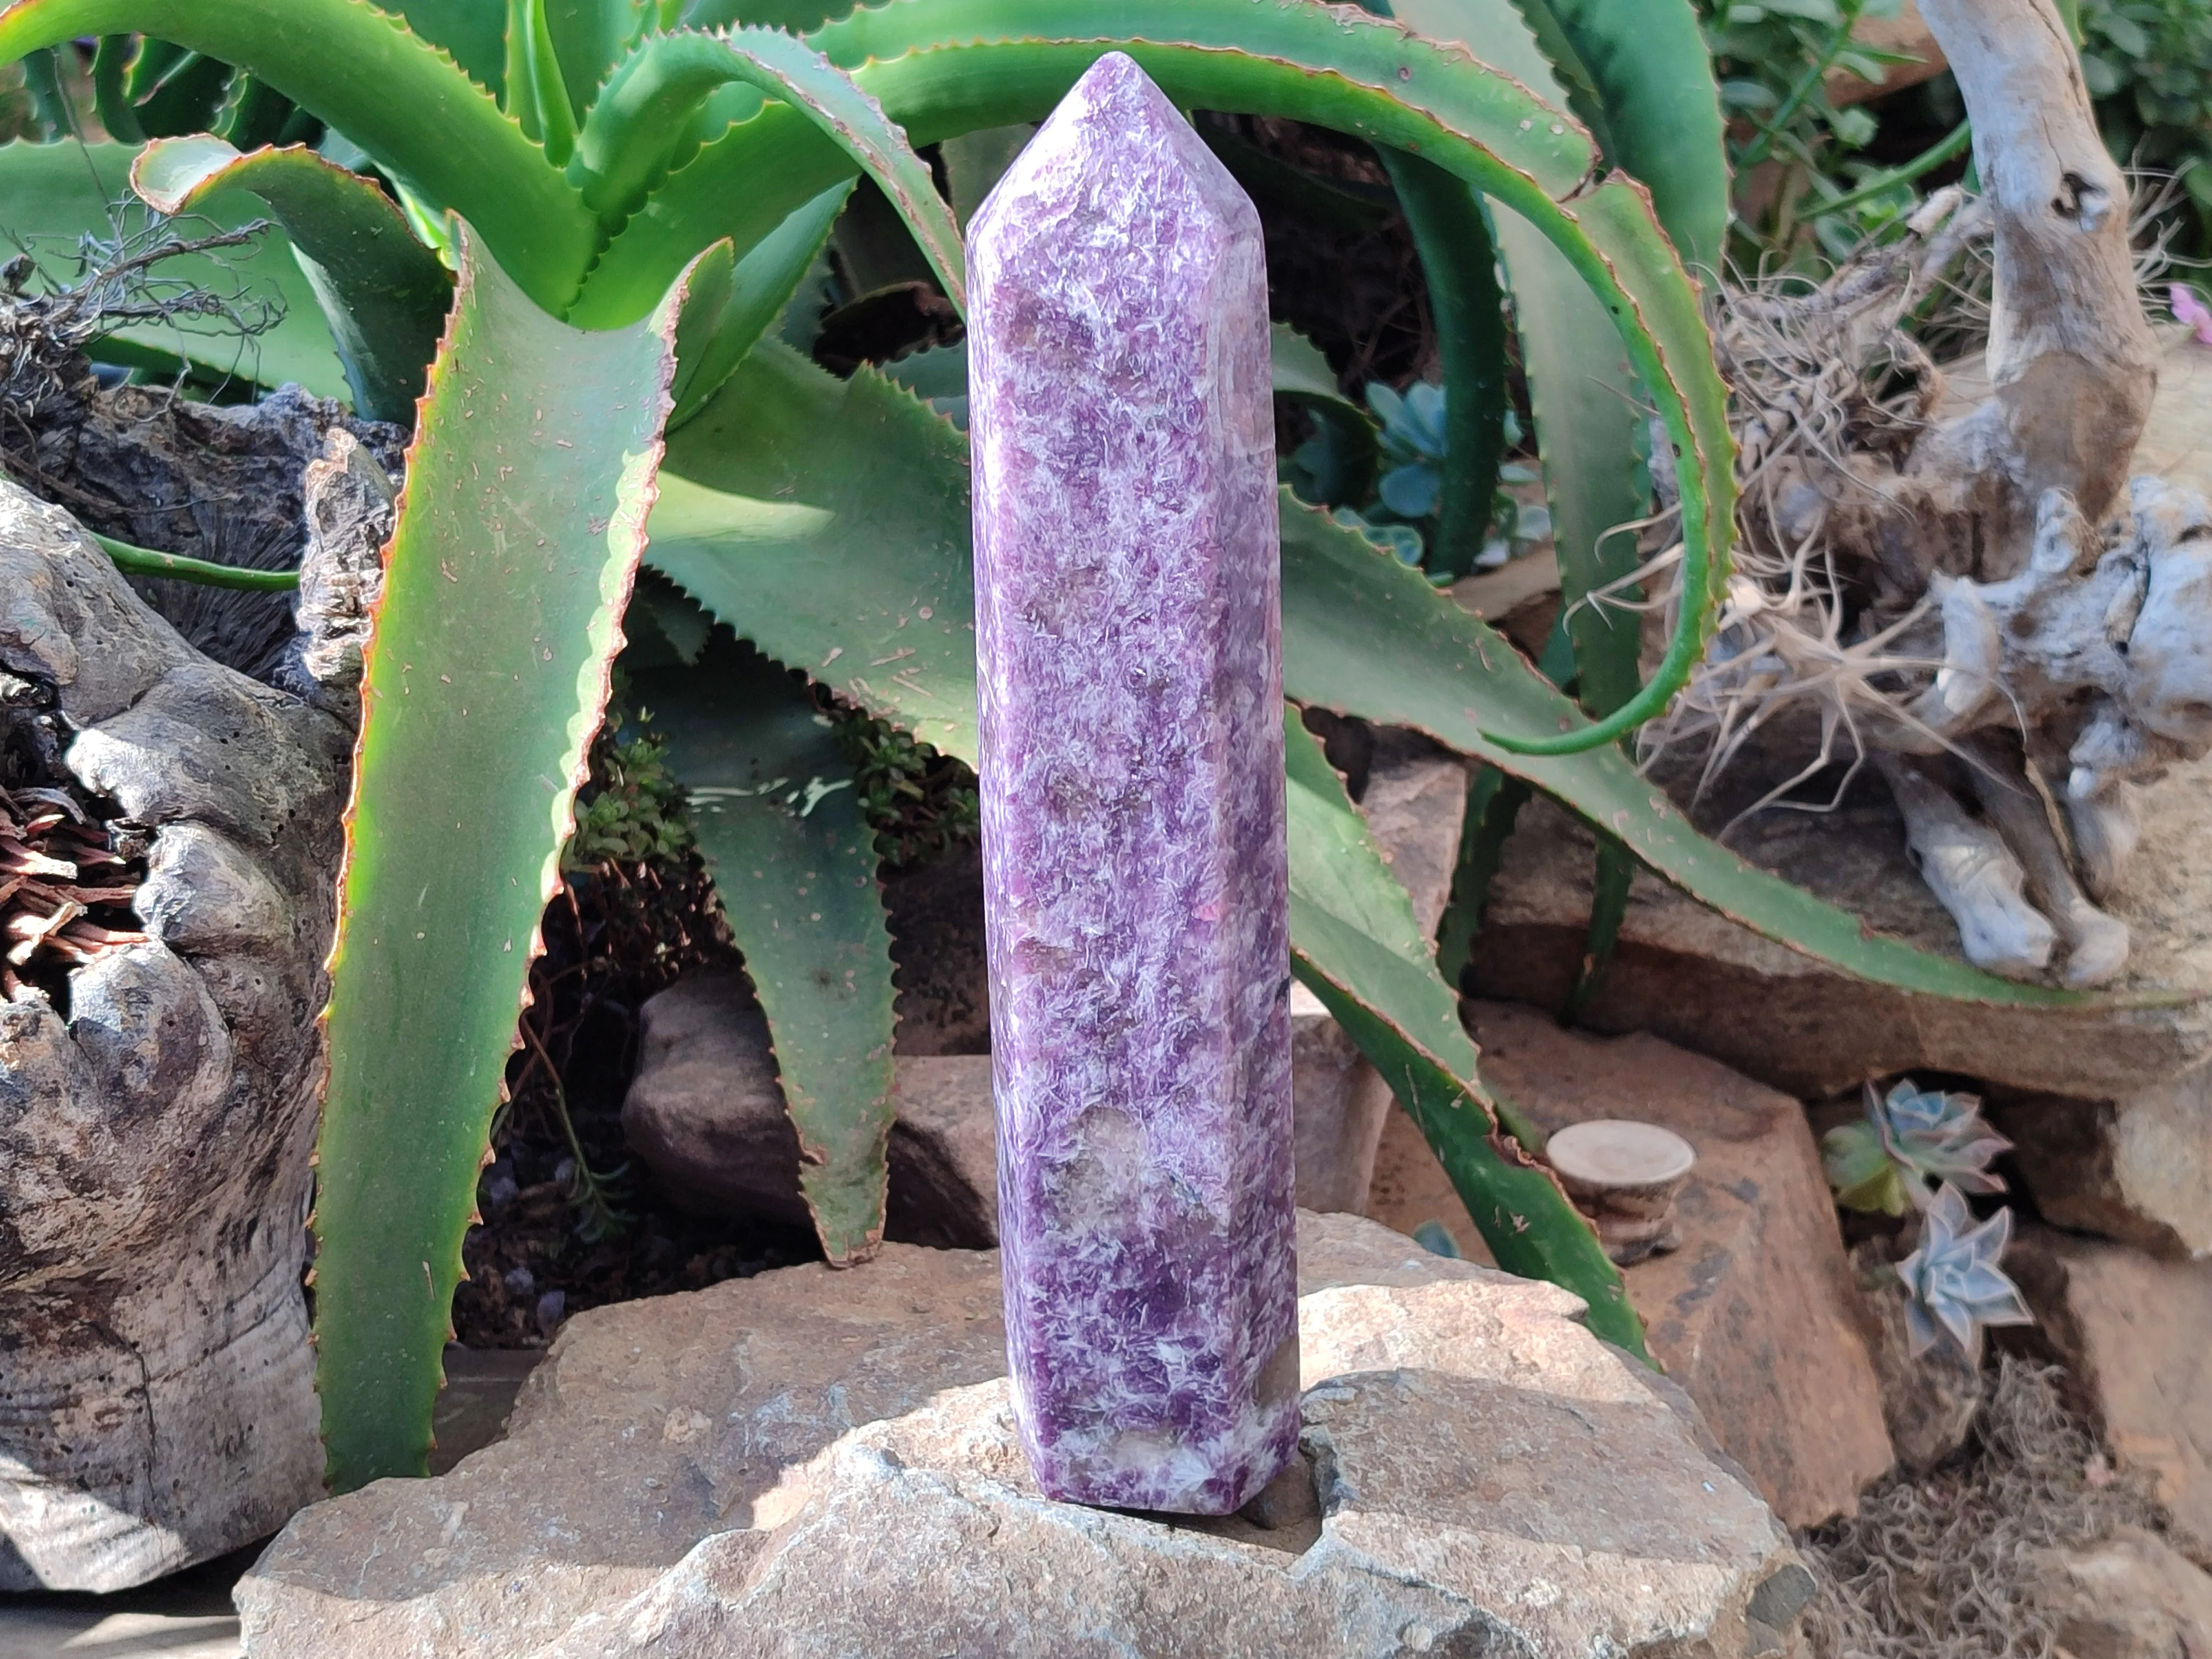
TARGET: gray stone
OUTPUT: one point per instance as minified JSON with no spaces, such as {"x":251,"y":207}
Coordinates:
{"x":824,"y":1463}
{"x":2130,"y":1596}
{"x":1685,"y":973}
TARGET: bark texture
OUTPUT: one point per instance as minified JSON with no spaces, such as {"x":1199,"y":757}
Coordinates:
{"x":1987,"y":593}
{"x":156,"y":1121}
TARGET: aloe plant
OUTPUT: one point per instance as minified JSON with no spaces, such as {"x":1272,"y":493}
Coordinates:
{"x":630,"y":202}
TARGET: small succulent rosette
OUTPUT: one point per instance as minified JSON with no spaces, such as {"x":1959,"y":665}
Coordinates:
{"x":1953,"y":1286}
{"x":1912,"y":1139}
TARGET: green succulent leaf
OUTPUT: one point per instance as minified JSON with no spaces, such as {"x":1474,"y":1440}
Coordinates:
{"x":53,"y":195}
{"x":730,"y":306}
{"x":1860,"y":1170}
{"x":1494,"y":801}
{"x":827,"y":521}
{"x":1953,"y":1286}
{"x":401,"y":99}
{"x":1356,"y":945}
{"x":941,"y":67}
{"x":626,"y":142}
{"x":472,"y":32}
{"x":383,"y":294}
{"x":821,"y":518}
{"x":1460,"y":263}
{"x":778,"y":817}
{"x":527,"y":488}
{"x":1648,"y":62}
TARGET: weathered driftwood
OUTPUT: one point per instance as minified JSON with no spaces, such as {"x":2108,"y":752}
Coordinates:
{"x":1981,"y":602}
{"x":156,"y":1406}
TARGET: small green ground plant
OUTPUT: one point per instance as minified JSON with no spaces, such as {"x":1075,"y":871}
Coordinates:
{"x":571,"y":227}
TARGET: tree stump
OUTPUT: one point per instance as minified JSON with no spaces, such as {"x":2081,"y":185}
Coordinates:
{"x":158,"y":1103}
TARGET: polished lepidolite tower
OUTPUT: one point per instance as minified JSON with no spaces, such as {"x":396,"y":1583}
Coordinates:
{"x":1129,"y":622}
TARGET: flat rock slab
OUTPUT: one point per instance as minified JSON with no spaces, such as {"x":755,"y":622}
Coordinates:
{"x":819,"y":1463}
{"x":1689,"y":975}
{"x":1755,"y":1315}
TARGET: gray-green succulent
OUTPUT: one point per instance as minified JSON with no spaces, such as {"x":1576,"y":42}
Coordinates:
{"x":1911,"y":1139}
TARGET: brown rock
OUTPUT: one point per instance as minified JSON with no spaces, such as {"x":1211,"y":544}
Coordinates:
{"x":943,"y":1152}
{"x":1684,"y":973}
{"x":705,"y":1113}
{"x":1414,"y":797}
{"x":1338,"y":1104}
{"x":820,"y":1463}
{"x":1414,"y":803}
{"x":2135,"y":1334}
{"x":1756,"y":1314}
{"x":2131,"y":1596}
{"x":2138,"y":1169}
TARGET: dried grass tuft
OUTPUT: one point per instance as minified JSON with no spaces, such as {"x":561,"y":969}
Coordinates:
{"x":1832,"y":384}
{"x":1946,"y":1567}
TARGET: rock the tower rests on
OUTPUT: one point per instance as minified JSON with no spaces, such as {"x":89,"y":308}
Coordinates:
{"x":1135,"y":872}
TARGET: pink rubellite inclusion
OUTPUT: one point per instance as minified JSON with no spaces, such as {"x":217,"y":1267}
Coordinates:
{"x":1129,"y":639}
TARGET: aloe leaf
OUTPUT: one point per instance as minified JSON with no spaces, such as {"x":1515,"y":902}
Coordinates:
{"x":589,"y":38}
{"x":626,"y":140}
{"x":975,"y":161}
{"x":821,"y":518}
{"x":472,"y":32}
{"x":1648,"y":61}
{"x":1610,"y":888}
{"x":942,"y":67}
{"x":797,"y":15}
{"x":52,"y":195}
{"x":1363,"y":635}
{"x":527,"y":488}
{"x":1460,"y":265}
{"x":402,"y":100}
{"x":1303,"y":375}
{"x":532,"y":61}
{"x":713,"y":340}
{"x":110,"y":89}
{"x":827,"y":521}
{"x":939,"y":67}
{"x":777,"y":815}
{"x":182,"y":95}
{"x":1355,"y":943}
{"x":1494,"y":801}
{"x":383,"y":294}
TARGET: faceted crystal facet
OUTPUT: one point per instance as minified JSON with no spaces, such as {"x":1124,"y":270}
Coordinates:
{"x":1128,"y":604}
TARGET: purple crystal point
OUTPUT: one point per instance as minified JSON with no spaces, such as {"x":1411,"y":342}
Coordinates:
{"x":1129,"y":639}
